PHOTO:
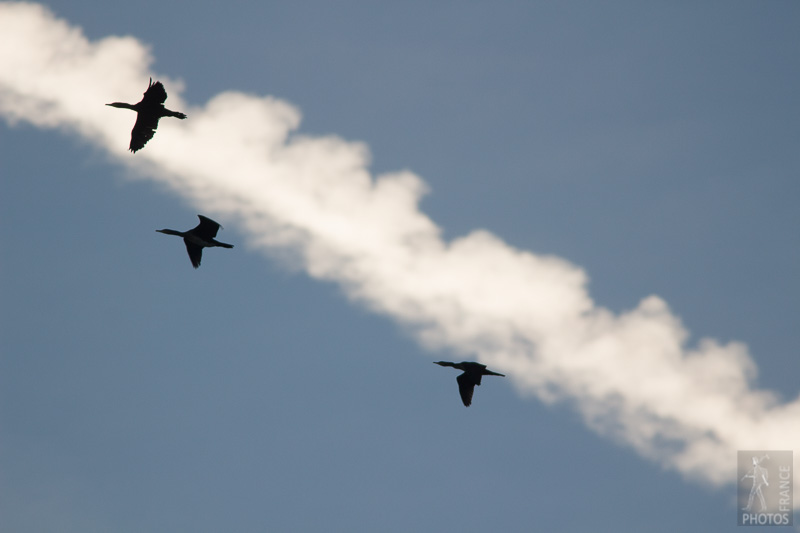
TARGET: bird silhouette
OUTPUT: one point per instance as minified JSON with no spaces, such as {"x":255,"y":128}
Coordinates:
{"x":198,"y":238}
{"x":471,"y":377}
{"x":149,"y":110}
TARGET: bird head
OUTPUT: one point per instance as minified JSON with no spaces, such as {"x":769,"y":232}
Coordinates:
{"x":170,"y":232}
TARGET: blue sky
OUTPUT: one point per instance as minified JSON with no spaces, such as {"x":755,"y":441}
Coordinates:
{"x":286,"y":384}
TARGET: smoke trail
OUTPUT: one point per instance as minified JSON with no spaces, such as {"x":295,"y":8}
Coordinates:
{"x":632,"y":376}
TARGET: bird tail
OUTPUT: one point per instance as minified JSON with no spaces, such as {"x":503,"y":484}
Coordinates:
{"x":223,"y":244}
{"x":176,"y":114}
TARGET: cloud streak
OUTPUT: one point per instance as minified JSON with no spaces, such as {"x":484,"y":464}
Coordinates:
{"x":632,"y":376}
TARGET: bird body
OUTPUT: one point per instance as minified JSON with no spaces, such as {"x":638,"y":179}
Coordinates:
{"x":149,"y":110}
{"x":473,"y":372}
{"x":199,"y":237}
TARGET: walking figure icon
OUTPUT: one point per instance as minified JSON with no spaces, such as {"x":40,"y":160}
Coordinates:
{"x":760,"y":477}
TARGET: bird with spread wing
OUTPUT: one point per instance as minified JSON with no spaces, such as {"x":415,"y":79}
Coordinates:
{"x":148,"y":112}
{"x":473,"y":372}
{"x":199,"y":237}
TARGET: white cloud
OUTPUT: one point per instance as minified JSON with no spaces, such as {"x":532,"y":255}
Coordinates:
{"x":632,"y":376}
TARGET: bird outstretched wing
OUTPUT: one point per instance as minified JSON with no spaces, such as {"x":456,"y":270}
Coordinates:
{"x":207,"y":229}
{"x":143,"y":130}
{"x":195,"y":253}
{"x":155,"y":94}
{"x":466,"y":386}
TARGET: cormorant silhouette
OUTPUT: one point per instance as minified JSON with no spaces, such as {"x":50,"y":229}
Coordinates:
{"x":149,"y":110}
{"x":198,"y":238}
{"x":471,"y":377}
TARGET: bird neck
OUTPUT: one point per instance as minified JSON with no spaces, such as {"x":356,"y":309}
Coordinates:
{"x":171,"y":232}
{"x":123,"y":105}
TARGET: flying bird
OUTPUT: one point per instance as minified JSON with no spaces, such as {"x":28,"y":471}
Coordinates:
{"x":198,"y":238}
{"x":471,"y":377}
{"x":149,"y":110}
